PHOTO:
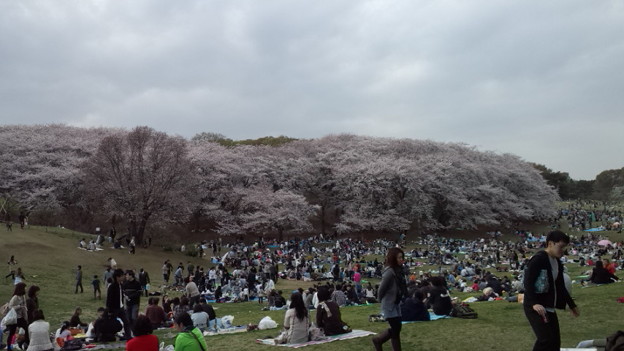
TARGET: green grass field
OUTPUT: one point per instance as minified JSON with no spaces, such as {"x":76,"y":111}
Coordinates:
{"x":49,"y":257}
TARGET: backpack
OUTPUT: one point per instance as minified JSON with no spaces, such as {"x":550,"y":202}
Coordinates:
{"x":615,"y":342}
{"x":463,"y":310}
{"x":73,"y":344}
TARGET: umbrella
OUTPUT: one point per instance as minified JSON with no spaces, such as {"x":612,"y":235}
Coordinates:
{"x":604,"y":242}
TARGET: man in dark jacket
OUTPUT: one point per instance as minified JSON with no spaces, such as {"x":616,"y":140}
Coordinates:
{"x":132,"y":291}
{"x":545,"y":291}
{"x":115,"y":301}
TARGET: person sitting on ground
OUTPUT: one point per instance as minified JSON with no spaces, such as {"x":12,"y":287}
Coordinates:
{"x":106,"y":327}
{"x":212,"y":316}
{"x":352,"y":296}
{"x":181,"y":308}
{"x":296,"y":321}
{"x":155,"y":313}
{"x":189,"y":338}
{"x":328,"y":314}
{"x":218,"y":293}
{"x":309,"y":297}
{"x":271,"y":299}
{"x":338,"y":296}
{"x":39,"y":332}
{"x":199,"y":317}
{"x":75,"y":322}
{"x":600,"y":275}
{"x":143,"y":339}
{"x":62,"y":334}
{"x":370,"y":293}
{"x":609,"y":266}
{"x":166,"y":304}
{"x":413,"y":308}
{"x":279,"y":301}
{"x":439,"y":298}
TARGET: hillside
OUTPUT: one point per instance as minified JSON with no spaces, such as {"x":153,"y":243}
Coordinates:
{"x":49,"y":258}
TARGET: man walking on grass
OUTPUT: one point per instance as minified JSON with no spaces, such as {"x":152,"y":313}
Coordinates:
{"x":132,"y":291}
{"x":115,"y":301}
{"x":545,"y":291}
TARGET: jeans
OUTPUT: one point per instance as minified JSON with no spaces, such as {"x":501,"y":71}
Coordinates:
{"x":132,"y":312}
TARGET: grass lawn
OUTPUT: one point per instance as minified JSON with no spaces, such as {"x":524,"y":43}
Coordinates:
{"x":49,"y":258}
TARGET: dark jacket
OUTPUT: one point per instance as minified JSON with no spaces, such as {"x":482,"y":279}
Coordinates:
{"x":105,"y":328}
{"x":208,"y":309}
{"x":144,"y":278}
{"x":132,"y":290}
{"x":331,"y":325}
{"x":532,"y":294}
{"x":602,"y":276}
{"x":440,"y":301}
{"x":413,"y":309}
{"x":114,"y":298}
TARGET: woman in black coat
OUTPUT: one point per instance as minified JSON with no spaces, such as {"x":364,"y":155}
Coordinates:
{"x":601,"y":275}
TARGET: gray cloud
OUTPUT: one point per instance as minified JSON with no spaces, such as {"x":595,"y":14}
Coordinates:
{"x":540,"y":80}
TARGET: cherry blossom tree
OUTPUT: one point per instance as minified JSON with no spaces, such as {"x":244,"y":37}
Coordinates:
{"x":140,"y":175}
{"x":345,"y":183}
{"x":40,"y":164}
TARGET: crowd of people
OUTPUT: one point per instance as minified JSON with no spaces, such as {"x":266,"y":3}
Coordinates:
{"x":491,"y":267}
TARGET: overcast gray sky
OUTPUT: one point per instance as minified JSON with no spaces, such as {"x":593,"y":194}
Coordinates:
{"x":540,"y":79}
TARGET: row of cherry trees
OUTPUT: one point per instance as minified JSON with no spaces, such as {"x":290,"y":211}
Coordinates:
{"x":339,"y":183}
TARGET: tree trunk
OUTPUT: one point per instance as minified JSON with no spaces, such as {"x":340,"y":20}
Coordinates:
{"x":140,"y":233}
{"x":323,"y":220}
{"x":280,"y":234}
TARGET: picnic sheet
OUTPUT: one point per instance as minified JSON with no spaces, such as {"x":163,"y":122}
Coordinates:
{"x":109,"y":346}
{"x":236,"y":329}
{"x":432,"y":317}
{"x":352,"y":335}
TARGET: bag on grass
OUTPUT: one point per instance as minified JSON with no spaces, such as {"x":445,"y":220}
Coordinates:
{"x":267,"y":323}
{"x":10,"y":318}
{"x":73,"y":344}
{"x":463,"y":310}
{"x":315,"y":333}
{"x":227,"y":321}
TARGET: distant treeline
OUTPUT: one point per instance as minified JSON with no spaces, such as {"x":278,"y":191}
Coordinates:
{"x":608,"y":185}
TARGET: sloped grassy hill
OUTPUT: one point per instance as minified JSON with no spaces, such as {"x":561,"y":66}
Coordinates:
{"x":49,"y":257}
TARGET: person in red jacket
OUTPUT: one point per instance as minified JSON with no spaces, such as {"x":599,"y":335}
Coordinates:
{"x":143,"y":339}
